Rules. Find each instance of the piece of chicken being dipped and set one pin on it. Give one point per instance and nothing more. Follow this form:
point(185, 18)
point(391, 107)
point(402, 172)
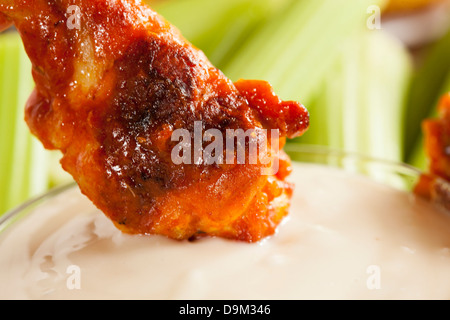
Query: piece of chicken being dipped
point(433, 185)
point(114, 82)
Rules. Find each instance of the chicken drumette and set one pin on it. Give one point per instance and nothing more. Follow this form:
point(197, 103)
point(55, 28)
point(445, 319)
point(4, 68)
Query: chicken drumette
point(437, 148)
point(114, 80)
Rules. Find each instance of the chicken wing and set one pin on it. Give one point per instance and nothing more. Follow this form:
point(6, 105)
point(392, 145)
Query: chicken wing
point(434, 184)
point(114, 82)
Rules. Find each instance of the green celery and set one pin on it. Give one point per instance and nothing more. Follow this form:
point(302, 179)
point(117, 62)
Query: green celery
point(361, 104)
point(8, 101)
point(374, 107)
point(418, 156)
point(297, 47)
point(19, 153)
point(57, 175)
point(23, 164)
point(218, 27)
point(425, 89)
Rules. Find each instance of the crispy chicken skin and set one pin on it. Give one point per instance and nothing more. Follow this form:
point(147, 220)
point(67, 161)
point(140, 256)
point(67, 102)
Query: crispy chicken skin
point(437, 143)
point(110, 92)
point(434, 184)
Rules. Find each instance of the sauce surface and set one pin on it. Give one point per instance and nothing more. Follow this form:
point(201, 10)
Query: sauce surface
point(346, 237)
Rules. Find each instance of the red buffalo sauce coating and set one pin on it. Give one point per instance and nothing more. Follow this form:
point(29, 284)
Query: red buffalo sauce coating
point(4, 22)
point(434, 185)
point(110, 94)
point(437, 144)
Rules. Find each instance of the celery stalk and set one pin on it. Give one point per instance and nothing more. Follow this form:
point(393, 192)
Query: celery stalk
point(19, 154)
point(361, 104)
point(430, 83)
point(425, 89)
point(23, 163)
point(325, 113)
point(417, 157)
point(8, 82)
point(374, 107)
point(298, 46)
point(218, 27)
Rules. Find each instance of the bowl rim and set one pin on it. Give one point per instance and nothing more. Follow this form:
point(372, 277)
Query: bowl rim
point(324, 150)
point(305, 149)
point(11, 214)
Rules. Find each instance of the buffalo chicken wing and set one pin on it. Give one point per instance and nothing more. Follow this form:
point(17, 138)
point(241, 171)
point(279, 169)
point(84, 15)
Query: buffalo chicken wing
point(114, 81)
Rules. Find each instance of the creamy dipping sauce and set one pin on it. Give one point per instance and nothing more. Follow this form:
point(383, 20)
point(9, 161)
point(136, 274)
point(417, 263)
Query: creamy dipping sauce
point(346, 237)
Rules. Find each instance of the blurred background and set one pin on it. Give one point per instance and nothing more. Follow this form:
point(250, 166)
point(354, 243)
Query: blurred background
point(369, 72)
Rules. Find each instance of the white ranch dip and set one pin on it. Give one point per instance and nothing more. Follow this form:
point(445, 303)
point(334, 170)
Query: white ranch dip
point(346, 237)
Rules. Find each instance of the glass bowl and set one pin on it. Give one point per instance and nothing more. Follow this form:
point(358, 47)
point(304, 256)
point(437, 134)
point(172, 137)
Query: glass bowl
point(50, 224)
point(400, 176)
